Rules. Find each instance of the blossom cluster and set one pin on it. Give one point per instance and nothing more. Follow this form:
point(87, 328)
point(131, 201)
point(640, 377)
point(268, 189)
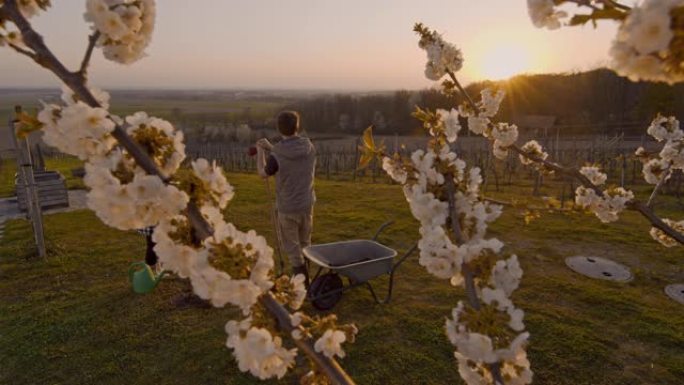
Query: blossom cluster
point(642, 49)
point(28, 9)
point(442, 56)
point(606, 205)
point(76, 128)
point(443, 194)
point(125, 27)
point(544, 14)
point(659, 168)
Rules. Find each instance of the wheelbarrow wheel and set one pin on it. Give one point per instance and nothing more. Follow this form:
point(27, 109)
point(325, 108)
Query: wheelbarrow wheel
point(325, 291)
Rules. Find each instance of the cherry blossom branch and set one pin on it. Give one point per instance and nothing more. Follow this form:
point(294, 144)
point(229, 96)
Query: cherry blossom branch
point(468, 275)
point(634, 204)
point(76, 82)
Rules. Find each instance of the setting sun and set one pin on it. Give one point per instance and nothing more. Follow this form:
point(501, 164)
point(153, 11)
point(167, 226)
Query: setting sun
point(505, 60)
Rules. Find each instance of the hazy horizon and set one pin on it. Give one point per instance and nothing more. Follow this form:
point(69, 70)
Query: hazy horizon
point(351, 46)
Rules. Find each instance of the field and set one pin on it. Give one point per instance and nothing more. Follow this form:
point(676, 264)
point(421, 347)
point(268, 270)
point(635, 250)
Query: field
point(184, 107)
point(73, 319)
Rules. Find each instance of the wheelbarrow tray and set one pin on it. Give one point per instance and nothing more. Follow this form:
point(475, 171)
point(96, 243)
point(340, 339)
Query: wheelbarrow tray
point(360, 259)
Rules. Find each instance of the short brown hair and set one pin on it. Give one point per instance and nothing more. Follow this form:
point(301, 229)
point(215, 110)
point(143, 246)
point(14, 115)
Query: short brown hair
point(288, 122)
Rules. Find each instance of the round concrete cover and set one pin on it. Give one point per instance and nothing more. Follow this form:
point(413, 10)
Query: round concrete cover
point(600, 268)
point(676, 292)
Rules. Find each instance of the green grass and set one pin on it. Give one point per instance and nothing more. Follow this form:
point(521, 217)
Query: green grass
point(63, 165)
point(73, 318)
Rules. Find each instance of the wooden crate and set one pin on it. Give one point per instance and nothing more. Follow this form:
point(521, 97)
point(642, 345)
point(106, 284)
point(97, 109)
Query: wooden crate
point(52, 191)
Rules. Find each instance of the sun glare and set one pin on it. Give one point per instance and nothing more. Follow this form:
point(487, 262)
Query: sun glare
point(505, 60)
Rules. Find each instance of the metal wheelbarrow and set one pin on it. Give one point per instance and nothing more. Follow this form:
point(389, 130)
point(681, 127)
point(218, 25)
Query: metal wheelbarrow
point(358, 260)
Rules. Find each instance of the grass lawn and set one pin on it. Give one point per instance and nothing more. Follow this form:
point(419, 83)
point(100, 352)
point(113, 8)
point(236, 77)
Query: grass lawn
point(73, 318)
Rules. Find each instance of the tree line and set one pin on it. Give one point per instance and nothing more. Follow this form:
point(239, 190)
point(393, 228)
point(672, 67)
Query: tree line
point(596, 101)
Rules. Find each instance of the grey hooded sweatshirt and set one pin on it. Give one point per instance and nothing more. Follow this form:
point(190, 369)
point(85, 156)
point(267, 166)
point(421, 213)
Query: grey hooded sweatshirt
point(296, 164)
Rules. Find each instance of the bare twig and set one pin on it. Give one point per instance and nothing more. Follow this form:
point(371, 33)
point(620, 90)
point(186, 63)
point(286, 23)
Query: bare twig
point(92, 41)
point(77, 84)
point(616, 5)
point(656, 189)
point(634, 205)
point(23, 51)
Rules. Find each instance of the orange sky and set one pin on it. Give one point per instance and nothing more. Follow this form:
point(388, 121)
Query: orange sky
point(315, 44)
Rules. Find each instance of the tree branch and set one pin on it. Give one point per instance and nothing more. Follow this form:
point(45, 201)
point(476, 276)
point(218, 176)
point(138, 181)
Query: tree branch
point(92, 41)
point(77, 84)
point(22, 51)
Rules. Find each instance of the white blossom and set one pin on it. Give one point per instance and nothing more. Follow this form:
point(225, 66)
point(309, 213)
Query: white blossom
point(491, 101)
point(663, 238)
point(125, 26)
point(257, 351)
point(297, 282)
point(544, 14)
point(477, 125)
point(643, 40)
point(532, 149)
point(655, 170)
point(212, 175)
point(169, 149)
point(394, 170)
point(143, 202)
point(442, 56)
point(330, 343)
point(673, 153)
point(451, 124)
point(506, 275)
point(606, 206)
point(594, 174)
point(505, 134)
point(665, 128)
point(77, 129)
point(499, 151)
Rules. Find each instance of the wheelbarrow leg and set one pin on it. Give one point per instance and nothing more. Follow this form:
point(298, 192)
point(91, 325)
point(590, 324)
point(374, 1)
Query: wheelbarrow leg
point(387, 298)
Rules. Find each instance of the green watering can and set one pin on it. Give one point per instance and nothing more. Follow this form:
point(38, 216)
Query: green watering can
point(142, 277)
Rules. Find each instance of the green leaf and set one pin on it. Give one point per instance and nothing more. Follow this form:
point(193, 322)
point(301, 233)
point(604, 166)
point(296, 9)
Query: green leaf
point(27, 124)
point(368, 141)
point(365, 160)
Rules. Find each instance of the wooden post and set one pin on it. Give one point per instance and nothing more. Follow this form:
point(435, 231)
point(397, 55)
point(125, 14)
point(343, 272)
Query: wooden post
point(35, 214)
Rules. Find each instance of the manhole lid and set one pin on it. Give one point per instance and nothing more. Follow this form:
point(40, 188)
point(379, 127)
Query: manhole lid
point(599, 268)
point(676, 292)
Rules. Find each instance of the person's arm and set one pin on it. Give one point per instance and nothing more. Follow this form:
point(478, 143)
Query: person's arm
point(261, 162)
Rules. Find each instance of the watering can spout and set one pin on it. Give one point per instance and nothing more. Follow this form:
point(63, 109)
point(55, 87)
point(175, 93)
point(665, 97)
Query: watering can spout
point(159, 277)
point(143, 278)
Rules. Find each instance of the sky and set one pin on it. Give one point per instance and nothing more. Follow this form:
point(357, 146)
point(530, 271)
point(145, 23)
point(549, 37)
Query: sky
point(314, 44)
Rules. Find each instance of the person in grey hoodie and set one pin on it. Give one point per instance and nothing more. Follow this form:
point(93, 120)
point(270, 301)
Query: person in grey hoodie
point(293, 162)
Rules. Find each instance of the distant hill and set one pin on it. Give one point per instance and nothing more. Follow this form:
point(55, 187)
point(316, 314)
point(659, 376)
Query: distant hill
point(597, 101)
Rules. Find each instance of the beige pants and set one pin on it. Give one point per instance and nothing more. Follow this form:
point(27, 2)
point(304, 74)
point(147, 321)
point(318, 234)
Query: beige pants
point(295, 233)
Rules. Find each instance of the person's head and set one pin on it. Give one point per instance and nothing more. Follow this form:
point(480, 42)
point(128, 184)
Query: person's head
point(288, 123)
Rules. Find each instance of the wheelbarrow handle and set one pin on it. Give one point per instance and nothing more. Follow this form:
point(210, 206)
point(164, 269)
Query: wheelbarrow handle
point(403, 257)
point(381, 229)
